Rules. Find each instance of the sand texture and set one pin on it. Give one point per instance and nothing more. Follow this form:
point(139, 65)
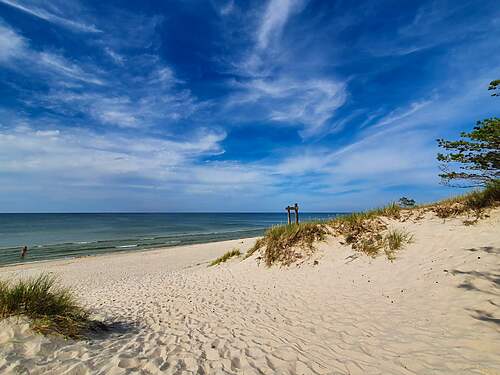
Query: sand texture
point(434, 310)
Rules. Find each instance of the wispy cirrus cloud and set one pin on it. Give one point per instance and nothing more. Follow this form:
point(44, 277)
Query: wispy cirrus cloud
point(294, 97)
point(79, 154)
point(51, 12)
point(274, 19)
point(140, 91)
point(17, 54)
point(309, 103)
point(11, 43)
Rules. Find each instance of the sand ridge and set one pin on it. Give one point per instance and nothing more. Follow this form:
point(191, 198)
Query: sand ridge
point(434, 310)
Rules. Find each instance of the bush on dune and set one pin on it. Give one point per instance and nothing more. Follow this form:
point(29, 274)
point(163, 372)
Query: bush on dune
point(51, 308)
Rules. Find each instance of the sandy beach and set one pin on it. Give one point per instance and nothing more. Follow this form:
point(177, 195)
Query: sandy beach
point(434, 310)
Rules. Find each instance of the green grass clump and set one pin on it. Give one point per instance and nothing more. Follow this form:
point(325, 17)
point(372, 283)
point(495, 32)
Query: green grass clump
point(279, 242)
point(226, 257)
point(395, 240)
point(51, 309)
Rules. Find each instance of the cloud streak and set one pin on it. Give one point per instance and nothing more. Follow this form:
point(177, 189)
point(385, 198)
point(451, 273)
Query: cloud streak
point(30, 7)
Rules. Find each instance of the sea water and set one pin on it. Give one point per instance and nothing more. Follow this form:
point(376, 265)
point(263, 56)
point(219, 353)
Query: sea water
point(52, 236)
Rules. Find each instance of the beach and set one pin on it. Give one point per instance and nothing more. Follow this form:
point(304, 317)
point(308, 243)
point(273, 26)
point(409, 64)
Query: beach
point(433, 310)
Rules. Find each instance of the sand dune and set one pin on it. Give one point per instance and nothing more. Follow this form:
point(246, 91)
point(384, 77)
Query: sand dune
point(434, 310)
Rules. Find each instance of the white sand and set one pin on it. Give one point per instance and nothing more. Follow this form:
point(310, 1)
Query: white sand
point(434, 310)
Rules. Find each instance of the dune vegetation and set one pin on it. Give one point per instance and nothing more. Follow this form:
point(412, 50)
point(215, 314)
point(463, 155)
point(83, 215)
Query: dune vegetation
point(224, 258)
point(51, 308)
point(369, 232)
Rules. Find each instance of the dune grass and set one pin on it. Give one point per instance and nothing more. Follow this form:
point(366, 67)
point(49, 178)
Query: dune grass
point(224, 258)
point(367, 231)
point(279, 241)
point(363, 230)
point(395, 240)
point(52, 309)
point(475, 201)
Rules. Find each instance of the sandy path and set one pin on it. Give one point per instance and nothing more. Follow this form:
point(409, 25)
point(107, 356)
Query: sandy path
point(432, 311)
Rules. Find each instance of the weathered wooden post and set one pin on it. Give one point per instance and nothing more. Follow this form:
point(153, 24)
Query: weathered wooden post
point(288, 208)
point(296, 208)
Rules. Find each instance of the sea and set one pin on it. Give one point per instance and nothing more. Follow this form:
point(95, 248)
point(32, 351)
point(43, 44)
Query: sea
point(56, 236)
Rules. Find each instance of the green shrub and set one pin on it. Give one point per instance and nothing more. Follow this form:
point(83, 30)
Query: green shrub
point(51, 308)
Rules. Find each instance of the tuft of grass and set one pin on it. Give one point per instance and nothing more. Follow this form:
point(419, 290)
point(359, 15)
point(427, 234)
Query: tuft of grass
point(280, 242)
point(362, 230)
point(224, 258)
point(52, 309)
point(395, 240)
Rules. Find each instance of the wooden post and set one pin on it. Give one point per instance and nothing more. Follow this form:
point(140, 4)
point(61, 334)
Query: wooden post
point(289, 218)
point(296, 208)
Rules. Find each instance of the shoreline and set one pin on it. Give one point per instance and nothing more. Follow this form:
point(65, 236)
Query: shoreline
point(123, 251)
point(118, 254)
point(339, 311)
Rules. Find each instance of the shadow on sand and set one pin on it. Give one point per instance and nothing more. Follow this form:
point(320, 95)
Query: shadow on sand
point(492, 288)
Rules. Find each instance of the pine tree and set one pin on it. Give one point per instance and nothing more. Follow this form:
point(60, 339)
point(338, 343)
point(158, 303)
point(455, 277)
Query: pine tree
point(476, 155)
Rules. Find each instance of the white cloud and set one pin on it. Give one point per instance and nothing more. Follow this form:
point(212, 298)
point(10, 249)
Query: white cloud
point(309, 103)
point(402, 113)
point(36, 9)
point(83, 154)
point(116, 57)
point(16, 53)
point(274, 20)
point(270, 91)
point(62, 66)
point(11, 43)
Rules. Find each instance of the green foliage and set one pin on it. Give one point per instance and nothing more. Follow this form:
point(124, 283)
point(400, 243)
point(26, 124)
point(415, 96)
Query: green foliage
point(476, 155)
point(224, 258)
point(280, 242)
point(495, 85)
point(51, 309)
point(406, 202)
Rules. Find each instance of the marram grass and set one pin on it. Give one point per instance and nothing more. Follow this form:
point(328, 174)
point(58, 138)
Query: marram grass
point(395, 240)
point(279, 241)
point(224, 258)
point(52, 309)
point(367, 231)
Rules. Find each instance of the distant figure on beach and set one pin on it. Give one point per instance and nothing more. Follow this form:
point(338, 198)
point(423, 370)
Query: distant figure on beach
point(24, 251)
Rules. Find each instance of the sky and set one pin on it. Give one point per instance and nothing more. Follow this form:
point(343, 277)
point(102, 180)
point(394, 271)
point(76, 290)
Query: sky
point(226, 105)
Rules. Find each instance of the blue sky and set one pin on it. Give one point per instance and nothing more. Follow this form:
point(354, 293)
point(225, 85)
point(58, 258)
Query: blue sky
point(225, 105)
